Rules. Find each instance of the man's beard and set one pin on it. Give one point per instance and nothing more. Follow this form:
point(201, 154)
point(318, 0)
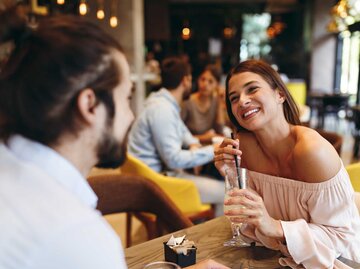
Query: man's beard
point(186, 94)
point(110, 152)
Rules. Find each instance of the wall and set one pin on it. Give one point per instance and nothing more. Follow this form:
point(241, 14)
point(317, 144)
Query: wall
point(323, 49)
point(130, 34)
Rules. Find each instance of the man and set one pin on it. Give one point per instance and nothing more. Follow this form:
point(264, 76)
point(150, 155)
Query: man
point(161, 140)
point(64, 107)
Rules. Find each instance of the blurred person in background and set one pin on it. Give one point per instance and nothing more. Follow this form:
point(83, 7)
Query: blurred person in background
point(202, 112)
point(160, 138)
point(64, 107)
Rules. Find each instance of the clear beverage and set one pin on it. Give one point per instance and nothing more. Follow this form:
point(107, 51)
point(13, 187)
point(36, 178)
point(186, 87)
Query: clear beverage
point(229, 207)
point(234, 179)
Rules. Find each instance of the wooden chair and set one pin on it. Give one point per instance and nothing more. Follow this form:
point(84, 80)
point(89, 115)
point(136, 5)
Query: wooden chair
point(183, 192)
point(136, 195)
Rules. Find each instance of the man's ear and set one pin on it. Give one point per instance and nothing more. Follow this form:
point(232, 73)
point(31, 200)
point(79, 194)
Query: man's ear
point(86, 103)
point(186, 80)
point(183, 80)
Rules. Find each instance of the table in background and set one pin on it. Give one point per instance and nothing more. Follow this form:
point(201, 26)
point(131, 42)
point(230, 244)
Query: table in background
point(327, 104)
point(209, 238)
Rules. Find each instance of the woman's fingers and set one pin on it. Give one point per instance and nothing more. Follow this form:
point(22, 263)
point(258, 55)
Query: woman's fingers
point(248, 193)
point(224, 157)
point(227, 150)
point(229, 141)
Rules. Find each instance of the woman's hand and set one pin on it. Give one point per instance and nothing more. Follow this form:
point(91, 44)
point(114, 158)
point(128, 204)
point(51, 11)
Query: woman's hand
point(253, 211)
point(224, 155)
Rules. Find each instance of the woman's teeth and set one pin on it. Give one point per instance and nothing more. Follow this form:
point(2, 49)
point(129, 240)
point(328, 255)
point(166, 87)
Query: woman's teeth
point(250, 112)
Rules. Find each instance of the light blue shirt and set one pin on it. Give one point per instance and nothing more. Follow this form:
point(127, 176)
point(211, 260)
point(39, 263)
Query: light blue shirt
point(159, 137)
point(47, 216)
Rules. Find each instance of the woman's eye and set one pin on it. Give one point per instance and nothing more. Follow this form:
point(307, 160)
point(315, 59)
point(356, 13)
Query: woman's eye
point(251, 89)
point(233, 99)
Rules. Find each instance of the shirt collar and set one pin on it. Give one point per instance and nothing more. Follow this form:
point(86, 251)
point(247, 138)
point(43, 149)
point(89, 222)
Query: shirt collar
point(54, 165)
point(167, 95)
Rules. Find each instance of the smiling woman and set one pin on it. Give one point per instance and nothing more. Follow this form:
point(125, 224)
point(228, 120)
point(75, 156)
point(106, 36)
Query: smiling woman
point(269, 76)
point(294, 174)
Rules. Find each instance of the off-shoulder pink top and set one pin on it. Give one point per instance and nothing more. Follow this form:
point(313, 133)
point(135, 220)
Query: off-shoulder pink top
point(320, 220)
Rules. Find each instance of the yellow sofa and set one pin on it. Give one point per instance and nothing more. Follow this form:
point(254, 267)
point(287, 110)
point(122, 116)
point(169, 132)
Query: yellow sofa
point(354, 174)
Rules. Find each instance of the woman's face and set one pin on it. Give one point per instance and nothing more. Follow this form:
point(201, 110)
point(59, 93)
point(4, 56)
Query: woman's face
point(207, 83)
point(253, 102)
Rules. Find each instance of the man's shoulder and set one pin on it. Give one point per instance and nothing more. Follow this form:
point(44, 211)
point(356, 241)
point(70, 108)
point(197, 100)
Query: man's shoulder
point(34, 208)
point(158, 111)
point(27, 190)
point(158, 103)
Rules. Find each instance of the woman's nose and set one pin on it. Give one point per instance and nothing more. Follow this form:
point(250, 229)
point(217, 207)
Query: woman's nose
point(244, 100)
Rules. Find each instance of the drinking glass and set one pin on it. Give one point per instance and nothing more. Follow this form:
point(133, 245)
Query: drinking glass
point(235, 178)
point(161, 265)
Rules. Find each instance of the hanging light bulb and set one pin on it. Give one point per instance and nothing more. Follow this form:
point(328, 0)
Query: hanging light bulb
point(83, 8)
point(113, 21)
point(60, 2)
point(100, 14)
point(186, 30)
point(186, 33)
point(228, 32)
point(113, 12)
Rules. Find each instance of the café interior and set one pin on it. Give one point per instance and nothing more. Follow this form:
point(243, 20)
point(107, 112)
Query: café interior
point(313, 44)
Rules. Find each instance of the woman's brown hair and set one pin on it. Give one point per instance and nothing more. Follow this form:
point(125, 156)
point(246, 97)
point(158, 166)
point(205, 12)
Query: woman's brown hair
point(264, 70)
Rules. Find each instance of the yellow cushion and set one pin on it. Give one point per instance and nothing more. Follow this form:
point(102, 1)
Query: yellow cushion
point(183, 192)
point(298, 91)
point(354, 174)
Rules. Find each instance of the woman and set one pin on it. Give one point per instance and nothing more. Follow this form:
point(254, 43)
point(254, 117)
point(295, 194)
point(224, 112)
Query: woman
point(202, 113)
point(300, 199)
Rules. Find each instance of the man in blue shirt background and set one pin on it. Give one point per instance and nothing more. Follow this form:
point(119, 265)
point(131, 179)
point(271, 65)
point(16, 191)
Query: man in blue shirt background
point(160, 138)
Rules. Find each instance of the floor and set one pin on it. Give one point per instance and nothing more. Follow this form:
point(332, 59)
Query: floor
point(341, 126)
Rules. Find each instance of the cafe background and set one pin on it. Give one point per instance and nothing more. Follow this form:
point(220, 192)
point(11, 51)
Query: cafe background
point(314, 44)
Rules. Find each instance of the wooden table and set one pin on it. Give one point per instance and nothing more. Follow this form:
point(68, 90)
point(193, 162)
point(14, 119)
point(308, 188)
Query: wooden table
point(209, 238)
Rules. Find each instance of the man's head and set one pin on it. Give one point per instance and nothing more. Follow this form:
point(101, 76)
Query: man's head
point(57, 77)
point(176, 72)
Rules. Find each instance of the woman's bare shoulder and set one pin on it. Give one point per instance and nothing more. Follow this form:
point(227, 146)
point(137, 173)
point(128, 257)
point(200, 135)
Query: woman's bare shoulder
point(314, 159)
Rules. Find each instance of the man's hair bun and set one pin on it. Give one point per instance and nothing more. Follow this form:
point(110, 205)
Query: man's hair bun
point(13, 26)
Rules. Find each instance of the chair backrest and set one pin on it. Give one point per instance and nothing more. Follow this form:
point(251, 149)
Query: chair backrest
point(129, 193)
point(335, 139)
point(182, 192)
point(354, 174)
point(356, 117)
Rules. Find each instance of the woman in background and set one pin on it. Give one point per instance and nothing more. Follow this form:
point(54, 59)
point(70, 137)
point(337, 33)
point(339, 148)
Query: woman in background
point(300, 199)
point(202, 113)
